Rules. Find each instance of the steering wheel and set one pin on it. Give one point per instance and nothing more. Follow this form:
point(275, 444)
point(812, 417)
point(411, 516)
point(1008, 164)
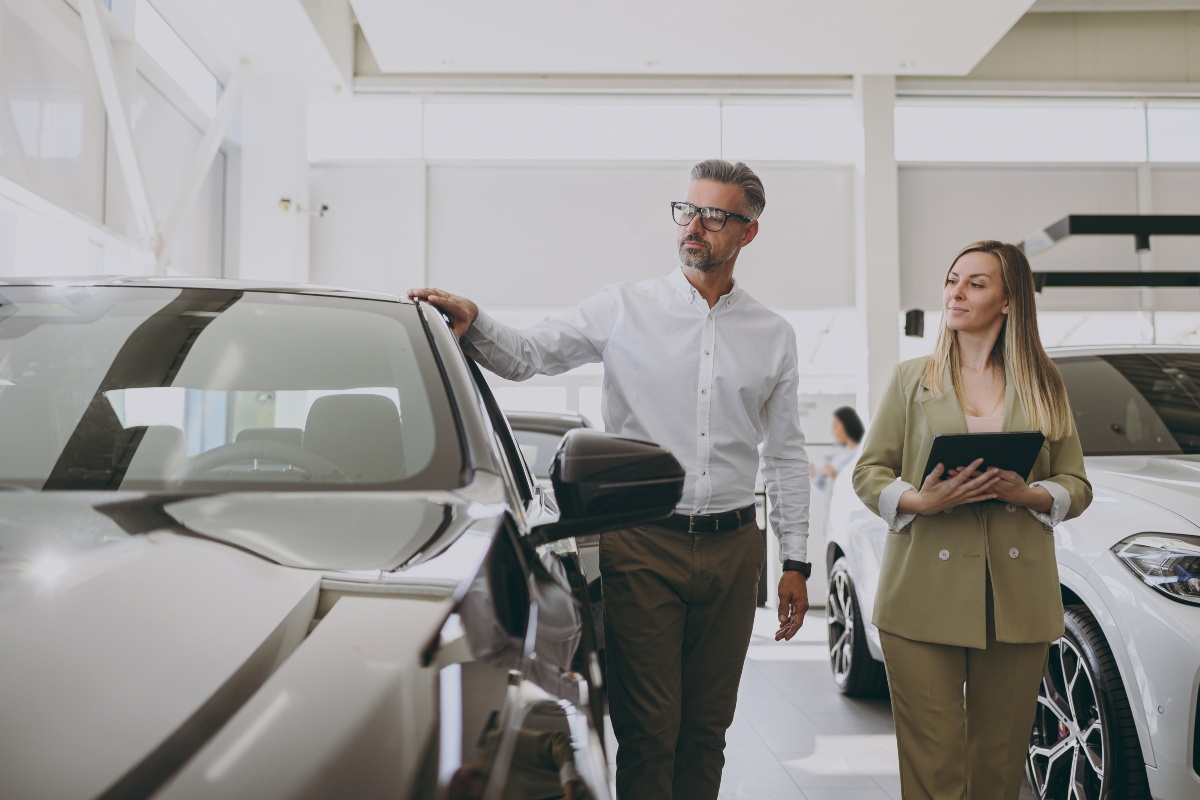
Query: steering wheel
point(263, 449)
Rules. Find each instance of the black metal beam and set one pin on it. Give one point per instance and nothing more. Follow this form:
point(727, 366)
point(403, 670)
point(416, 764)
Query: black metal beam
point(1139, 226)
point(1117, 280)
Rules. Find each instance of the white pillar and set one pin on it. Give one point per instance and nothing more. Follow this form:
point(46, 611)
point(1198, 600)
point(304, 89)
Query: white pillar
point(877, 237)
point(273, 241)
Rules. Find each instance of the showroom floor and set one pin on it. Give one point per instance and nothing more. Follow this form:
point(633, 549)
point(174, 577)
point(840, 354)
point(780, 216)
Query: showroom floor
point(796, 738)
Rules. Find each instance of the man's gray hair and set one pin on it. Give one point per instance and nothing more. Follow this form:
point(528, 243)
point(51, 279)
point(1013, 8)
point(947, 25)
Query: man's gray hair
point(721, 171)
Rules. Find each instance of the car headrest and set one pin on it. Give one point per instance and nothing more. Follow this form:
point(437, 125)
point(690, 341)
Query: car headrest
point(293, 436)
point(360, 433)
point(151, 453)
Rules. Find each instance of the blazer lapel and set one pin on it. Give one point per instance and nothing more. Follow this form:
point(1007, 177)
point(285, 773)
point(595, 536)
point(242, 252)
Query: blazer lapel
point(943, 414)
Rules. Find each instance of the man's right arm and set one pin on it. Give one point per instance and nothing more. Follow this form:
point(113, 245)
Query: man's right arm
point(553, 345)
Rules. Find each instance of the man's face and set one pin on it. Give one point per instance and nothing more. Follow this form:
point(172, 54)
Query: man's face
point(706, 250)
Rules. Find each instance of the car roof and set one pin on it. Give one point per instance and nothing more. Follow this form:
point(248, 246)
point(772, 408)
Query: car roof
point(1108, 350)
point(181, 282)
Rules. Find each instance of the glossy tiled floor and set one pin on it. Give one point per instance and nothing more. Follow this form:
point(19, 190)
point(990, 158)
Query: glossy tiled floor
point(795, 737)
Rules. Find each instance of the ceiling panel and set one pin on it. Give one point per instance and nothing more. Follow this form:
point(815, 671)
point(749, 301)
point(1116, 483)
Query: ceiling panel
point(703, 37)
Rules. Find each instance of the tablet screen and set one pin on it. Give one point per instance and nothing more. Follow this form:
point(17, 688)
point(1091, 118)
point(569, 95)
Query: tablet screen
point(1011, 450)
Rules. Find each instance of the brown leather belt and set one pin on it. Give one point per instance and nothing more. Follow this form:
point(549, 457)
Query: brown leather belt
point(726, 522)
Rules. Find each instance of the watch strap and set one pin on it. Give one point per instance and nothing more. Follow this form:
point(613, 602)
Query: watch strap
point(803, 567)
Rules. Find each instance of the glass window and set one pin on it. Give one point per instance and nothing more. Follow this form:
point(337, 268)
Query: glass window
point(796, 131)
point(1135, 403)
point(52, 122)
point(1174, 134)
point(579, 130)
point(201, 389)
point(1022, 132)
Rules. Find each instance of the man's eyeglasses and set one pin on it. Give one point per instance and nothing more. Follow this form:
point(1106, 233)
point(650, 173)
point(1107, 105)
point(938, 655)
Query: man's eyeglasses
point(713, 219)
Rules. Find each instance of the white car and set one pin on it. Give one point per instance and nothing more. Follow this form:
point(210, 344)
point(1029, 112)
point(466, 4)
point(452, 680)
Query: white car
point(1118, 710)
point(278, 542)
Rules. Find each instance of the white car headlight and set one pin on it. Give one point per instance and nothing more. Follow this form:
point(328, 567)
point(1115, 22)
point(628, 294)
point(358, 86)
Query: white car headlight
point(1167, 562)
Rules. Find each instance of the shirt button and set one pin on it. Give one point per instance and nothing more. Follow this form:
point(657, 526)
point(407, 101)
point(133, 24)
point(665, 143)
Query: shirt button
point(704, 391)
point(1009, 507)
point(1013, 553)
point(702, 433)
point(944, 555)
point(708, 352)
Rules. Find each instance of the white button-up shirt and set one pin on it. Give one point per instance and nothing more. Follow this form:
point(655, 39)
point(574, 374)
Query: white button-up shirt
point(715, 386)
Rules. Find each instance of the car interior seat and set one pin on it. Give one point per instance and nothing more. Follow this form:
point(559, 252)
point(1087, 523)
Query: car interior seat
point(292, 436)
point(360, 433)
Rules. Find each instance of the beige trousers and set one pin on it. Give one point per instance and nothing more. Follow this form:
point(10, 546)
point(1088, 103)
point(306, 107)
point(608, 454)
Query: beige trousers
point(678, 614)
point(957, 744)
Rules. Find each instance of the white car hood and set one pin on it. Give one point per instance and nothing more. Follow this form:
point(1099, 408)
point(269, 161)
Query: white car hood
point(1170, 482)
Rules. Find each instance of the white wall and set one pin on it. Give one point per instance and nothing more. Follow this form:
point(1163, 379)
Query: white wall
point(373, 236)
point(549, 235)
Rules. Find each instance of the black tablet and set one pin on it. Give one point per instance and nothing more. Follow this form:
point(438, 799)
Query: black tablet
point(1015, 451)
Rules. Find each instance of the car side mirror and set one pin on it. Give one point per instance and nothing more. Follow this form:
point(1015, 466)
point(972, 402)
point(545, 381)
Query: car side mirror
point(603, 482)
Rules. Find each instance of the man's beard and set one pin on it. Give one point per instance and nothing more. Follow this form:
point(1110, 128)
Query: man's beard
point(701, 260)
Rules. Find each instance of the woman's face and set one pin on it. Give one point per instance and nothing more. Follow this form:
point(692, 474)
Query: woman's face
point(973, 298)
point(839, 431)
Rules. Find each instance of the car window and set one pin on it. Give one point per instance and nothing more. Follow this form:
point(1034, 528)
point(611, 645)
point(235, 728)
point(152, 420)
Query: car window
point(504, 435)
point(1135, 403)
point(120, 387)
point(539, 448)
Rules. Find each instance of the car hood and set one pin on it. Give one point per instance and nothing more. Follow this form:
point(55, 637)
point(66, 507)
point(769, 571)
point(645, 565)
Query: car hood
point(133, 628)
point(1171, 482)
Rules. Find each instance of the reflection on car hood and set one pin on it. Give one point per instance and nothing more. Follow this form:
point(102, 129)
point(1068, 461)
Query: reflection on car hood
point(134, 626)
point(1171, 482)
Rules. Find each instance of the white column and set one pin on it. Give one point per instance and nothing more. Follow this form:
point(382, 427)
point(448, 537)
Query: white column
point(877, 238)
point(273, 241)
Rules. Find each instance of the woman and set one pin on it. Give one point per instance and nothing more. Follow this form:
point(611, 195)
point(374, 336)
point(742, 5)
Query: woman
point(847, 430)
point(968, 591)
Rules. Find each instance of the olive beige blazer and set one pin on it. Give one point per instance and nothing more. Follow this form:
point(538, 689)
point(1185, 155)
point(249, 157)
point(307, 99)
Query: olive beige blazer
point(931, 585)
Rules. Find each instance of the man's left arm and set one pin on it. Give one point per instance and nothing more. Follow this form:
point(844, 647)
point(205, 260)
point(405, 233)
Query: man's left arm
point(784, 465)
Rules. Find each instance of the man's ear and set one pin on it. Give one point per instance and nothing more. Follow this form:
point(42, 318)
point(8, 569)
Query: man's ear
point(749, 233)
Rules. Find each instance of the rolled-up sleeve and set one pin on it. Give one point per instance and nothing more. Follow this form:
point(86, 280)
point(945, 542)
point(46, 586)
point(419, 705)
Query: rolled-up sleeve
point(784, 462)
point(889, 505)
point(549, 347)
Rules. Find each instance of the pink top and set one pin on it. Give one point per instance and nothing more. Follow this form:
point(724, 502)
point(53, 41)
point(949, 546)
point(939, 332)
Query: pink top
point(984, 424)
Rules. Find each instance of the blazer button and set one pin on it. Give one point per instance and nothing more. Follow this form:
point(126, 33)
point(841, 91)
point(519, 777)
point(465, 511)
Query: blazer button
point(1009, 507)
point(1013, 553)
point(944, 555)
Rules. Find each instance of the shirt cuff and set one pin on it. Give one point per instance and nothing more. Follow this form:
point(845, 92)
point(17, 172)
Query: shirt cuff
point(889, 505)
point(793, 547)
point(483, 329)
point(1060, 507)
point(568, 774)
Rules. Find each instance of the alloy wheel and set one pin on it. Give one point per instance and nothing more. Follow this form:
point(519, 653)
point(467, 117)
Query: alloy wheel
point(1068, 746)
point(841, 626)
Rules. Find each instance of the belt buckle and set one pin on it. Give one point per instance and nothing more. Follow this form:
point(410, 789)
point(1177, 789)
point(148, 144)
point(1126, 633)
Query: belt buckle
point(691, 523)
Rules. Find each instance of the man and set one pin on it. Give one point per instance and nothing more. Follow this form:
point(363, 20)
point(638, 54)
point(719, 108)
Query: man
point(695, 364)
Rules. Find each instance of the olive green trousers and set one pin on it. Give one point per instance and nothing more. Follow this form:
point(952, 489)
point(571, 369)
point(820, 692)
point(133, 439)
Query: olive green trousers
point(958, 743)
point(678, 614)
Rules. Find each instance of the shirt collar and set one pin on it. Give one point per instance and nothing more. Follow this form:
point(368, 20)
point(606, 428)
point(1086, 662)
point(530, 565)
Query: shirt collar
point(689, 293)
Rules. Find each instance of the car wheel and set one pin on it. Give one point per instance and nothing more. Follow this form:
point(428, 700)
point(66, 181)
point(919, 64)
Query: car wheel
point(1084, 745)
point(855, 672)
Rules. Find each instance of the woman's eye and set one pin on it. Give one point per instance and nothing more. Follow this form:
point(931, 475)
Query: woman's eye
point(977, 285)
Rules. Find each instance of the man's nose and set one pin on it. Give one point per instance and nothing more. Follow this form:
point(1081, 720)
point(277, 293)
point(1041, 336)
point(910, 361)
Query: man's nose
point(696, 226)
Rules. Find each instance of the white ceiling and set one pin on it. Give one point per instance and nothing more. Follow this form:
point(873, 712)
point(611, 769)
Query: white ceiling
point(701, 37)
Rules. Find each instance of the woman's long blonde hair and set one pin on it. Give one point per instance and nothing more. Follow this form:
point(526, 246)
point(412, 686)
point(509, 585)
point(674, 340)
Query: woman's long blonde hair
point(1039, 386)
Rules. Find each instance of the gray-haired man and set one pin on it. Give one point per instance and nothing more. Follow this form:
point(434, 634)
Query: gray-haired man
point(694, 363)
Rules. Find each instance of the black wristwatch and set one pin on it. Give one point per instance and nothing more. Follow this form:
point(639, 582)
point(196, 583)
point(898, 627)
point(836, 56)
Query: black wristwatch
point(803, 567)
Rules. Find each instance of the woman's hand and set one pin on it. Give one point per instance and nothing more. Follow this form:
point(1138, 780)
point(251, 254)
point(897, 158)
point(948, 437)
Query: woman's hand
point(1010, 487)
point(964, 485)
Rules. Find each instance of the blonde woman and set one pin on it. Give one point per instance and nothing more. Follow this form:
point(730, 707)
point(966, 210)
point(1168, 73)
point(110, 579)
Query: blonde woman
point(969, 591)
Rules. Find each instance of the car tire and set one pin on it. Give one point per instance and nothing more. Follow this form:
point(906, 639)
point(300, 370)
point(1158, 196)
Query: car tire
point(1084, 745)
point(855, 671)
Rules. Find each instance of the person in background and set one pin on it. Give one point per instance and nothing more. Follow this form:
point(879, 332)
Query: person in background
point(968, 589)
point(847, 430)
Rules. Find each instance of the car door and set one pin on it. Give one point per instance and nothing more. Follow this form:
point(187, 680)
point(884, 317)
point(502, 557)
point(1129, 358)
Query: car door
point(545, 603)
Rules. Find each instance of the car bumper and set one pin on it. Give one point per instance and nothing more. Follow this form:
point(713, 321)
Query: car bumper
point(1161, 671)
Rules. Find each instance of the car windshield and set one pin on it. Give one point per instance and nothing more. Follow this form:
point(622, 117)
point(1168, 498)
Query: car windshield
point(214, 389)
point(1135, 403)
